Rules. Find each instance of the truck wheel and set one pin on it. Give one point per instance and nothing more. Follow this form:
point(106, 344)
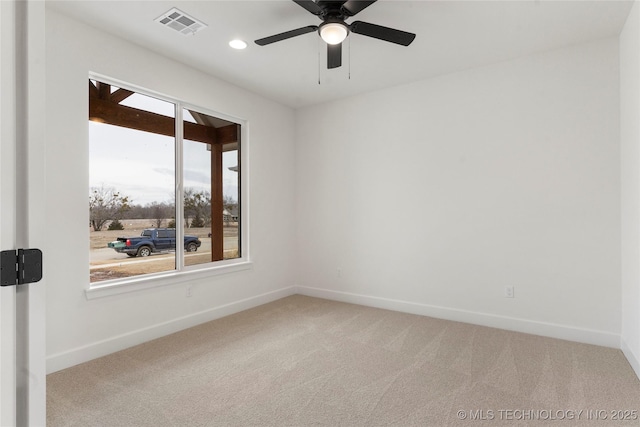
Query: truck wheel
point(144, 251)
point(192, 247)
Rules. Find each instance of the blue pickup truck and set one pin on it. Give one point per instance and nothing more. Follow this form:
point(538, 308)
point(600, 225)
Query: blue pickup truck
point(153, 240)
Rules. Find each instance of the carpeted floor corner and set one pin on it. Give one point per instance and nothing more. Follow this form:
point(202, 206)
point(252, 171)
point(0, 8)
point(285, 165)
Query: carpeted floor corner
point(304, 361)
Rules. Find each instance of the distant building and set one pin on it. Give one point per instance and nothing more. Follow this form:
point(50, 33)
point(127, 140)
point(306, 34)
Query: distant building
point(230, 214)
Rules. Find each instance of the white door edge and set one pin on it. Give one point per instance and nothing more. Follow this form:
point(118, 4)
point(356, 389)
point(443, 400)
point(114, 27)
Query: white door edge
point(30, 197)
point(7, 209)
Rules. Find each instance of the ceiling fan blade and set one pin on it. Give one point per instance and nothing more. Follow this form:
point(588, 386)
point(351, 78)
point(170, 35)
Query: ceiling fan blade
point(352, 7)
point(310, 5)
point(334, 55)
point(383, 33)
point(286, 35)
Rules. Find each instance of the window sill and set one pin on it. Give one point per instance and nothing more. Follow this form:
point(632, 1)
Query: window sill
point(116, 287)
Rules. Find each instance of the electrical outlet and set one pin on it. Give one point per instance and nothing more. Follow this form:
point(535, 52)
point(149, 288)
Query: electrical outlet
point(339, 272)
point(508, 292)
point(189, 291)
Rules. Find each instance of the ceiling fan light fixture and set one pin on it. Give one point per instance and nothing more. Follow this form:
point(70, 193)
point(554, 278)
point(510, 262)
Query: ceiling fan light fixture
point(333, 32)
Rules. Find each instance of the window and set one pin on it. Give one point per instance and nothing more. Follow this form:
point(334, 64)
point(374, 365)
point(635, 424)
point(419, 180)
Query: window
point(160, 172)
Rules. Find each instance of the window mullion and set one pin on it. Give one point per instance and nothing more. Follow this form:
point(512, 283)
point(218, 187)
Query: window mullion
point(179, 126)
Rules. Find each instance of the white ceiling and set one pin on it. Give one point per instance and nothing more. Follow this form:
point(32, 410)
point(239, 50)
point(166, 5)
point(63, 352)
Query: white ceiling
point(451, 36)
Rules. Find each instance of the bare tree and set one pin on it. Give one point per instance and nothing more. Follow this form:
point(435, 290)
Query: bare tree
point(160, 212)
point(197, 205)
point(106, 204)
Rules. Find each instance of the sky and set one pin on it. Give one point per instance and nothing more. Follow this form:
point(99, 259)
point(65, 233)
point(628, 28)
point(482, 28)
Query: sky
point(141, 165)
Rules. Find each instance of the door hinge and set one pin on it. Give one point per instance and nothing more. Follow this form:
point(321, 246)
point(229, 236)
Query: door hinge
point(21, 266)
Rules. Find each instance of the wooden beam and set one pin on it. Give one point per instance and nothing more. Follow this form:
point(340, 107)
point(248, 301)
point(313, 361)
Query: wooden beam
point(217, 205)
point(199, 133)
point(93, 90)
point(104, 90)
point(133, 118)
point(227, 134)
point(120, 95)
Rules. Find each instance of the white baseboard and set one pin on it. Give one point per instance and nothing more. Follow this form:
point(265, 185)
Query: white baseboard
point(551, 330)
point(633, 359)
point(59, 361)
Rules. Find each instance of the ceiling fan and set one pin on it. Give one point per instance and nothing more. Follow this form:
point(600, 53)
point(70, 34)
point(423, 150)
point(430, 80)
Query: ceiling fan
point(333, 29)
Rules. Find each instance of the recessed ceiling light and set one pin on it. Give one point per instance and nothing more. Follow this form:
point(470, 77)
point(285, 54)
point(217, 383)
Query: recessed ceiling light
point(238, 44)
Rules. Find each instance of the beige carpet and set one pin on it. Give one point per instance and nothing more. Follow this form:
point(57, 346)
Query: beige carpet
point(304, 361)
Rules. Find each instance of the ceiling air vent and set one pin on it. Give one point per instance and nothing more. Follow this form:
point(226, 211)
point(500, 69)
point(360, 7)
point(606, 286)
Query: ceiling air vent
point(181, 22)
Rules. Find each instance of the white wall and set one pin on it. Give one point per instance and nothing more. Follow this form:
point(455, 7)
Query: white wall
point(79, 329)
point(630, 165)
point(434, 196)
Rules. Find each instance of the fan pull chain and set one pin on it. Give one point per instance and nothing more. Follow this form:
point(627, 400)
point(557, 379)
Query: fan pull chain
point(349, 58)
point(319, 66)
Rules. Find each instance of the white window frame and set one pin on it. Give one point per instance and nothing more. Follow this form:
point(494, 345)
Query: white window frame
point(192, 272)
